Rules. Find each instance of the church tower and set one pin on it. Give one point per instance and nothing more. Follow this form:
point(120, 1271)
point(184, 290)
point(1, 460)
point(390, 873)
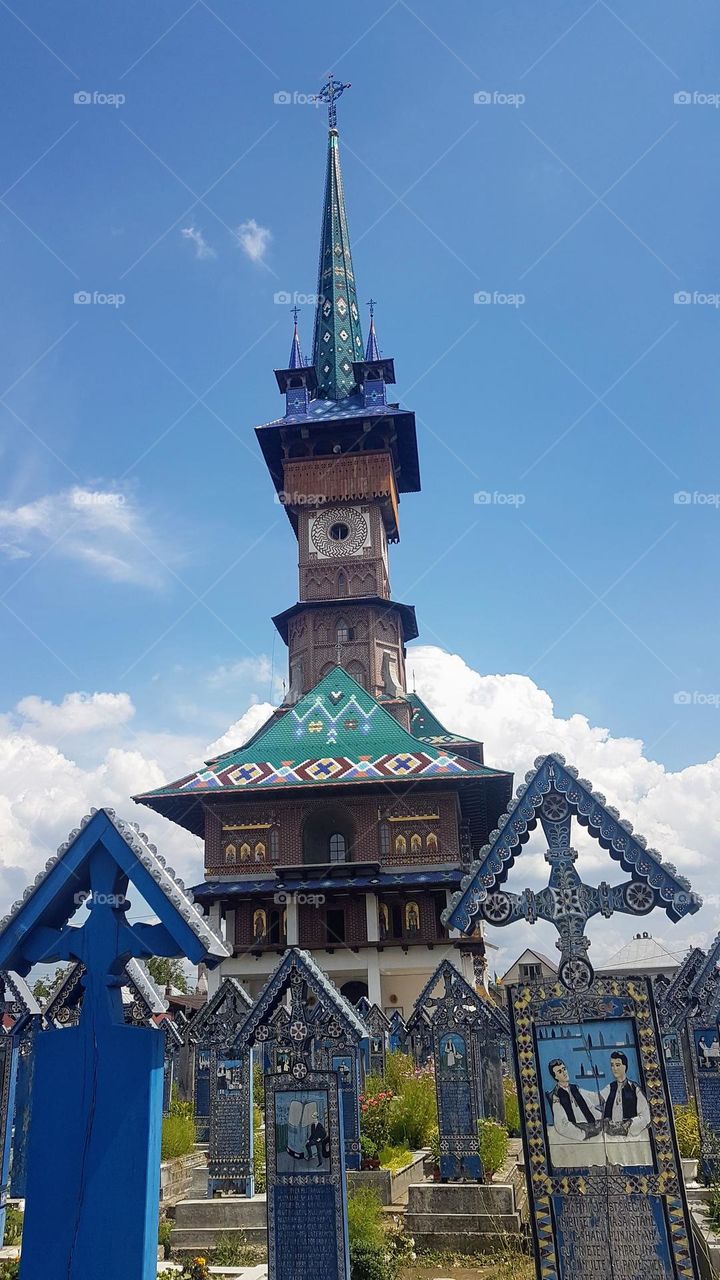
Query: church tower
point(348, 819)
point(340, 458)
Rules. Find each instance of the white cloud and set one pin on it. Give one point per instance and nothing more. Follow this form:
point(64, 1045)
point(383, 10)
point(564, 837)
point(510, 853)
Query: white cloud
point(202, 248)
point(241, 730)
point(77, 713)
point(253, 239)
point(101, 529)
point(43, 792)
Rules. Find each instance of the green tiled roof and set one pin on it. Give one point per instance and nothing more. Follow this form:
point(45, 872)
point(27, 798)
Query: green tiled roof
point(425, 726)
point(336, 733)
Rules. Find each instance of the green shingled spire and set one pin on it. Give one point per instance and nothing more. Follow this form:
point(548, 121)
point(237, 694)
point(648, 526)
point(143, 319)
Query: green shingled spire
point(338, 338)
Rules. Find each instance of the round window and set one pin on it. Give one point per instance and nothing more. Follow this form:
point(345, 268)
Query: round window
point(339, 531)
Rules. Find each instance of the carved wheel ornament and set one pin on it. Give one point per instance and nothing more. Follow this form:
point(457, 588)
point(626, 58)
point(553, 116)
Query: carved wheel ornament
point(327, 528)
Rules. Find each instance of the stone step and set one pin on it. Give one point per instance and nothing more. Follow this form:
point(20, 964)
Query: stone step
point(201, 1240)
point(222, 1211)
point(425, 1224)
point(459, 1241)
point(465, 1198)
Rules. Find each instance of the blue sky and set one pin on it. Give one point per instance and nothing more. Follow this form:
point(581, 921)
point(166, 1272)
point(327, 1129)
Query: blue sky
point(595, 398)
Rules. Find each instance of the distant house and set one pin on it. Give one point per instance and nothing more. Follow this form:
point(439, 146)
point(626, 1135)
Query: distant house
point(642, 954)
point(529, 967)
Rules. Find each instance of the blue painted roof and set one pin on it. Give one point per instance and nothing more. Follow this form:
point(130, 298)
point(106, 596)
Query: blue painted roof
point(248, 888)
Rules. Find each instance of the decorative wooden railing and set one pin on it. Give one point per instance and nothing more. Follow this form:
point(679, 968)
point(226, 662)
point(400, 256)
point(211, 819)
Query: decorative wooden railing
point(350, 477)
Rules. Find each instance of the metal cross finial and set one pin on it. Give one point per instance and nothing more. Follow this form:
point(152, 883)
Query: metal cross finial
point(295, 313)
point(371, 303)
point(330, 92)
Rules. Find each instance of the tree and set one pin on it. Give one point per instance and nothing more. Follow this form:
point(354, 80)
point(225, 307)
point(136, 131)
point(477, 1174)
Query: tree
point(43, 986)
point(166, 971)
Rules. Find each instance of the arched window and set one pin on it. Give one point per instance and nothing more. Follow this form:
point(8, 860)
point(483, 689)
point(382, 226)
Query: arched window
point(400, 845)
point(230, 853)
point(259, 851)
point(274, 843)
point(343, 633)
point(357, 671)
point(342, 584)
point(384, 839)
point(245, 852)
point(415, 843)
point(338, 847)
point(431, 843)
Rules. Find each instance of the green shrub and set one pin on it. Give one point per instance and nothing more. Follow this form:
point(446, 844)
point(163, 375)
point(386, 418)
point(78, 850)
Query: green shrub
point(13, 1225)
point(493, 1146)
point(687, 1130)
point(371, 1262)
point(365, 1218)
point(9, 1270)
point(258, 1086)
point(230, 1251)
point(398, 1066)
point(368, 1148)
point(177, 1107)
point(259, 1162)
point(374, 1083)
point(178, 1135)
point(165, 1227)
point(512, 1108)
point(395, 1158)
point(413, 1113)
point(375, 1115)
point(434, 1145)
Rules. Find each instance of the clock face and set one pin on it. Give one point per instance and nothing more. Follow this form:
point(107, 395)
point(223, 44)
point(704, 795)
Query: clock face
point(339, 531)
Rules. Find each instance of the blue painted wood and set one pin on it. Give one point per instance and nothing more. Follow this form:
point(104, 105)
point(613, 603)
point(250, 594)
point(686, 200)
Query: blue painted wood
point(95, 1124)
point(8, 1076)
point(23, 1102)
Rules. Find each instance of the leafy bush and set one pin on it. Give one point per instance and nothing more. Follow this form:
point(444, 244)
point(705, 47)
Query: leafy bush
point(9, 1270)
point(434, 1145)
point(687, 1130)
point(375, 1115)
point(178, 1135)
point(368, 1148)
point(365, 1218)
point(178, 1107)
point(395, 1158)
point(13, 1225)
point(512, 1108)
point(165, 1227)
point(197, 1269)
point(413, 1113)
point(232, 1251)
point(259, 1086)
point(398, 1067)
point(371, 1262)
point(493, 1146)
point(374, 1083)
point(259, 1162)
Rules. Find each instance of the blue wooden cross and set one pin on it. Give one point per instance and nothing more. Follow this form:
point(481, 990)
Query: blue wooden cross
point(93, 1162)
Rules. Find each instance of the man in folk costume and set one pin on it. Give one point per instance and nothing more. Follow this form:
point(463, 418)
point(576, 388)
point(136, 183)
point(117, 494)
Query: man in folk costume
point(625, 1108)
point(576, 1114)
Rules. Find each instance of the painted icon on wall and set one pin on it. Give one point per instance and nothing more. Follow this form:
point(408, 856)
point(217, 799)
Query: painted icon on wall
point(596, 1110)
point(671, 1047)
point(412, 918)
point(302, 1142)
point(453, 1052)
point(383, 921)
point(229, 1075)
point(707, 1048)
point(259, 925)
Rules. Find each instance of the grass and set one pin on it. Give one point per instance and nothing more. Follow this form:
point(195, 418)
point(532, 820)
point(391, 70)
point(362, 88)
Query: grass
point(395, 1158)
point(178, 1136)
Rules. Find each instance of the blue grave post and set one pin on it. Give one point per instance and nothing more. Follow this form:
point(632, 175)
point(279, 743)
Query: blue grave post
point(398, 1033)
point(97, 1093)
point(319, 1035)
point(604, 1178)
point(230, 1130)
point(23, 1010)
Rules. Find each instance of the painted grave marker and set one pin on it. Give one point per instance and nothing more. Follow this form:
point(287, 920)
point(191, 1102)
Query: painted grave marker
point(230, 1129)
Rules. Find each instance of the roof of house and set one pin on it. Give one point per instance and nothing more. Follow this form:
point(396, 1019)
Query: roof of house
point(641, 952)
point(337, 733)
point(426, 726)
point(533, 955)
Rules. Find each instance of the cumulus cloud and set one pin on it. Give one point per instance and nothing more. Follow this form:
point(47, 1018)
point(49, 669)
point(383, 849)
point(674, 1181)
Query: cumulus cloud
point(77, 713)
point(196, 237)
point(43, 791)
point(253, 239)
point(100, 529)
